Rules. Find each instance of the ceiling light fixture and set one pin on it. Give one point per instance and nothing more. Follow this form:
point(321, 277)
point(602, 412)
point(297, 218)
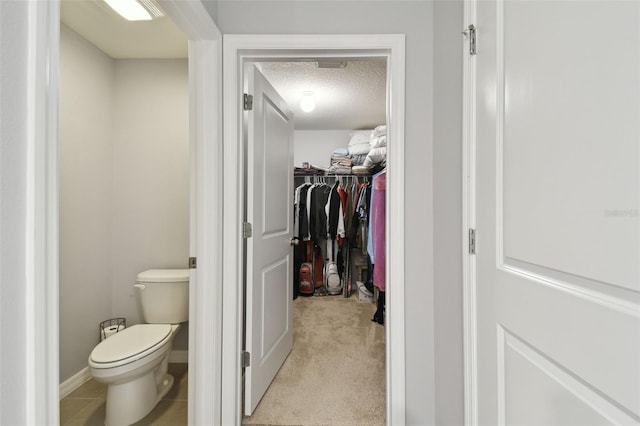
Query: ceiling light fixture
point(134, 10)
point(307, 103)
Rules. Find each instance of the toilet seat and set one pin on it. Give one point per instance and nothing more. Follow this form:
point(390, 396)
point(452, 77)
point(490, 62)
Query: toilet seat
point(129, 345)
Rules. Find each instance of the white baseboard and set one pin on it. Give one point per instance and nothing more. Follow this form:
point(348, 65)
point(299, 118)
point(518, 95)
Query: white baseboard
point(74, 382)
point(181, 356)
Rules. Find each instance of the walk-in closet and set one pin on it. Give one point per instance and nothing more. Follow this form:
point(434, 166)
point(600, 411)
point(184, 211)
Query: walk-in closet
point(335, 373)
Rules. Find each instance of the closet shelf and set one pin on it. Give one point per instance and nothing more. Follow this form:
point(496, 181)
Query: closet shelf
point(330, 175)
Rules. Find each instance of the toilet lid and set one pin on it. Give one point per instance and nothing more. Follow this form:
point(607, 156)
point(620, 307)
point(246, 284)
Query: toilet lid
point(130, 342)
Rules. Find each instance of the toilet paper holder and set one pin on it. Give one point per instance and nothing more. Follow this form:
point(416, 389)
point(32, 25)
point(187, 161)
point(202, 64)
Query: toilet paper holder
point(111, 326)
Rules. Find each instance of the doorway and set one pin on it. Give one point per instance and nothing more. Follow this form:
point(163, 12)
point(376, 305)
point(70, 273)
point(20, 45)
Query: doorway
point(337, 350)
point(124, 117)
point(205, 99)
point(241, 49)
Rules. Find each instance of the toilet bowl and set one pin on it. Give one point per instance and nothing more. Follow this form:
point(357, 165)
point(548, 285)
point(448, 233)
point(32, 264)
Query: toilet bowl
point(133, 362)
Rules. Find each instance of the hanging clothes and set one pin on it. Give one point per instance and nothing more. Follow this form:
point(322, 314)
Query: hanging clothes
point(300, 218)
point(318, 217)
point(360, 217)
point(324, 214)
point(335, 214)
point(345, 203)
point(378, 217)
point(378, 201)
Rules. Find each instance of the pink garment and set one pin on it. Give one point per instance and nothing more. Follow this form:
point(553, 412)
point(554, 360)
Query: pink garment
point(378, 229)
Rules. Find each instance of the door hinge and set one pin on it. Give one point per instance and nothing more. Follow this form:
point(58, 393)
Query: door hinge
point(471, 33)
point(246, 359)
point(472, 241)
point(193, 262)
point(247, 102)
point(247, 230)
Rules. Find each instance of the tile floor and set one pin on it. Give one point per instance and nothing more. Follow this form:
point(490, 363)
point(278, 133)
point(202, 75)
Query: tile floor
point(85, 406)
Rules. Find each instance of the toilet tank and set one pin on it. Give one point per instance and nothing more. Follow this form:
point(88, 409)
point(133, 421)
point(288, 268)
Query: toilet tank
point(164, 295)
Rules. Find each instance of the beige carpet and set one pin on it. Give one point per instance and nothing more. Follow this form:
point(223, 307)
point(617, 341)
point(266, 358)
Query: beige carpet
point(335, 374)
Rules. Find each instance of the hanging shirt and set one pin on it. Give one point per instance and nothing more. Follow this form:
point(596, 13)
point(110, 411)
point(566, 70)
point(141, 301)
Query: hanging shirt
point(335, 214)
point(303, 213)
point(378, 216)
point(370, 248)
point(318, 216)
point(310, 217)
point(345, 202)
point(299, 208)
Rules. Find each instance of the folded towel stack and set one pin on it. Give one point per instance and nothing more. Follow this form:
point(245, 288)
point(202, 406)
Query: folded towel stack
point(340, 161)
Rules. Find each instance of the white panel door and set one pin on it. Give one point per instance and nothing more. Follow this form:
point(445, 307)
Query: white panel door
point(269, 320)
point(557, 107)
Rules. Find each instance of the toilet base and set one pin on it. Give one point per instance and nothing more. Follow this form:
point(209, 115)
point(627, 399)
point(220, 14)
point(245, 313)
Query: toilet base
point(129, 402)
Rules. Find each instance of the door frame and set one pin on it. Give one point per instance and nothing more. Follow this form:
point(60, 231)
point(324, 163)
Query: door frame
point(205, 134)
point(237, 49)
point(205, 209)
point(469, 300)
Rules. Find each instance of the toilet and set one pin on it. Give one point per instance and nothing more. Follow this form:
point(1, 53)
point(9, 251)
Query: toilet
point(133, 362)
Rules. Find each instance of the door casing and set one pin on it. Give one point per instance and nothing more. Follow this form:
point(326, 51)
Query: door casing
point(205, 210)
point(238, 49)
point(468, 222)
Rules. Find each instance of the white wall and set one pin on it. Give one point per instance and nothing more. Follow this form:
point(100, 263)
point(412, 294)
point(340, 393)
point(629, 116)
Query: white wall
point(124, 187)
point(86, 105)
point(13, 212)
point(415, 19)
point(151, 176)
point(316, 146)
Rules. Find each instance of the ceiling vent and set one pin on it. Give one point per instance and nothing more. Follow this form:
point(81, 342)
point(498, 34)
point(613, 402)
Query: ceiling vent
point(331, 64)
point(153, 8)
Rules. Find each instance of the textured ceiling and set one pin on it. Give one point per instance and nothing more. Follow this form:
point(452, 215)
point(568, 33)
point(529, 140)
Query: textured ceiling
point(353, 97)
point(346, 98)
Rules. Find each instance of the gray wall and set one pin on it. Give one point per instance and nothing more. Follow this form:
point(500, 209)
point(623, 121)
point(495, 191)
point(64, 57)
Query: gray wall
point(13, 212)
point(87, 83)
point(420, 80)
point(151, 176)
point(415, 19)
point(124, 186)
point(447, 181)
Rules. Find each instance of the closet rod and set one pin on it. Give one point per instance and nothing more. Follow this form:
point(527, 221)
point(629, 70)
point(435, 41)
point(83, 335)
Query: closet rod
point(332, 175)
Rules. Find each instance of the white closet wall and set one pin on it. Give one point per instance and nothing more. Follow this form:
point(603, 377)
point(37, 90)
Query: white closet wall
point(316, 146)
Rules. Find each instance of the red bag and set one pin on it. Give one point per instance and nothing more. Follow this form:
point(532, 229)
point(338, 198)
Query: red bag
point(307, 284)
point(306, 279)
point(318, 269)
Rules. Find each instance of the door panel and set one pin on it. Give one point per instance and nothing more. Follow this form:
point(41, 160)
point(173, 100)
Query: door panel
point(275, 320)
point(276, 126)
point(567, 95)
point(269, 320)
point(557, 190)
point(534, 381)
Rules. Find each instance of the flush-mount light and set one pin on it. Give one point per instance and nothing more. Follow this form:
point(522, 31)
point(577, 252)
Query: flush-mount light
point(135, 10)
point(307, 103)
